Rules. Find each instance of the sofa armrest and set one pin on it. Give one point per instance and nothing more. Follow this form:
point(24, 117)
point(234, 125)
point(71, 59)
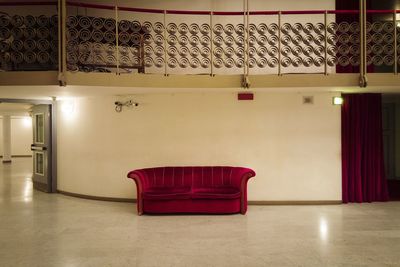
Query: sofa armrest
point(140, 179)
point(240, 179)
point(243, 192)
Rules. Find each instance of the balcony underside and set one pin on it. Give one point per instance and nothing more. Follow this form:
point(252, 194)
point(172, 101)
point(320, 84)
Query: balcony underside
point(376, 81)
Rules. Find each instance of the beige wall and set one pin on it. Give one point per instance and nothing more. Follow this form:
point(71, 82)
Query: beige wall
point(21, 136)
point(294, 148)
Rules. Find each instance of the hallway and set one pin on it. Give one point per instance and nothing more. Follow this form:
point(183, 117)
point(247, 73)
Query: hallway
point(38, 229)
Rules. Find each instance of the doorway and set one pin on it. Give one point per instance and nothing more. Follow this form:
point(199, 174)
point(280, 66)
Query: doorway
point(391, 142)
point(43, 142)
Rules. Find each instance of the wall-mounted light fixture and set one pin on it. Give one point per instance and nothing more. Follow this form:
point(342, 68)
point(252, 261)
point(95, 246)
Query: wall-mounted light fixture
point(120, 104)
point(337, 100)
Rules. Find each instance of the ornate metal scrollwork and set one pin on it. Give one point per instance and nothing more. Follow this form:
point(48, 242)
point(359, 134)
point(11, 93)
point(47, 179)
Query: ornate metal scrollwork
point(380, 44)
point(28, 42)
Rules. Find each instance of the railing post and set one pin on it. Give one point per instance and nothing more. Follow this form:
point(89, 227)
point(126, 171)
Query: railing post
point(395, 41)
point(165, 43)
point(117, 39)
point(59, 60)
point(244, 39)
point(62, 42)
point(326, 42)
point(248, 38)
point(363, 45)
point(361, 21)
point(211, 44)
point(365, 35)
point(279, 43)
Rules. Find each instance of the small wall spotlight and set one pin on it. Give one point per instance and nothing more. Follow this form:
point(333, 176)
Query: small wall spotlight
point(337, 100)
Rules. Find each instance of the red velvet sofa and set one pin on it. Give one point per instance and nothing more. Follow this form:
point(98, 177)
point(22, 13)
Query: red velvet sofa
point(215, 190)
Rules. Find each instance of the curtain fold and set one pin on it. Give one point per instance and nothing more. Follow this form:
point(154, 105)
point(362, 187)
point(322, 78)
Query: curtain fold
point(363, 171)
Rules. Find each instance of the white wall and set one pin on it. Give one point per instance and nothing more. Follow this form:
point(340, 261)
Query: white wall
point(294, 148)
point(21, 136)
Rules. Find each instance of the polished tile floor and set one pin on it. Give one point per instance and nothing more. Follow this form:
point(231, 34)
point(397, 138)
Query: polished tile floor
point(38, 229)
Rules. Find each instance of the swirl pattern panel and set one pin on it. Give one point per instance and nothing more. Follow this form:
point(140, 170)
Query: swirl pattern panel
point(28, 42)
point(91, 44)
point(189, 44)
point(263, 46)
point(195, 44)
point(302, 45)
point(343, 44)
point(153, 44)
point(398, 45)
point(381, 45)
point(228, 41)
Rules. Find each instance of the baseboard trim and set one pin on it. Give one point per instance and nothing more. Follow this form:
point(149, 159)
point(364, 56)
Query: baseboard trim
point(294, 202)
point(20, 156)
point(251, 202)
point(112, 199)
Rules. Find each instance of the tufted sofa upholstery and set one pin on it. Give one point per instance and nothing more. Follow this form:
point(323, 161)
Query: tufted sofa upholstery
point(192, 189)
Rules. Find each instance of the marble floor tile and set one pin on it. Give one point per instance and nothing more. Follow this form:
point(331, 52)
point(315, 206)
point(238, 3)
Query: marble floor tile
point(39, 229)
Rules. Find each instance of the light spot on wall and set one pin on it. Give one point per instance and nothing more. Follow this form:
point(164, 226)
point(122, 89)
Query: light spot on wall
point(27, 122)
point(68, 108)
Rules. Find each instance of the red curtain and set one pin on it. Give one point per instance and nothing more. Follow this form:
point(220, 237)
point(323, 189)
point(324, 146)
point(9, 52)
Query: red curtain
point(363, 171)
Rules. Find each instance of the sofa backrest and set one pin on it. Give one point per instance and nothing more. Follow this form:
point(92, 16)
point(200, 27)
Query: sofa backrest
point(191, 176)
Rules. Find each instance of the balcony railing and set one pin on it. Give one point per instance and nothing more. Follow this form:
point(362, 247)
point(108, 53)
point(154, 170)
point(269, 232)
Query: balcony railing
point(28, 36)
point(105, 38)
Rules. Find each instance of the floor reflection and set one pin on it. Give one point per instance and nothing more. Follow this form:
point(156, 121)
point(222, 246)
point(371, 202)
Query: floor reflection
point(28, 187)
point(323, 229)
point(16, 180)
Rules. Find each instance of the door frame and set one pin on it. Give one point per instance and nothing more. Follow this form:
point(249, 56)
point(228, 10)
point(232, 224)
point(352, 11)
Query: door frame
point(53, 132)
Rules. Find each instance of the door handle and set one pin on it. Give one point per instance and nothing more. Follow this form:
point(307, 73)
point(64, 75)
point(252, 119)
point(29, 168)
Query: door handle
point(38, 148)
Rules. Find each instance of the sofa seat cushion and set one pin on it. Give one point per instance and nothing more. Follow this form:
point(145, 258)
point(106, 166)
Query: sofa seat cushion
point(159, 193)
point(216, 193)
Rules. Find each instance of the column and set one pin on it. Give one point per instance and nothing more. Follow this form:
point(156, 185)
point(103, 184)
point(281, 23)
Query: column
point(6, 139)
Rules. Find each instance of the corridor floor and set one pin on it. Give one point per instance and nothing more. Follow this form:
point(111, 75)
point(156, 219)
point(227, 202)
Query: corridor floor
point(39, 229)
